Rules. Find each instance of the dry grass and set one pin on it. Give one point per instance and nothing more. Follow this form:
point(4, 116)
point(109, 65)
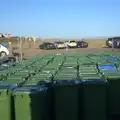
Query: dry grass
point(96, 43)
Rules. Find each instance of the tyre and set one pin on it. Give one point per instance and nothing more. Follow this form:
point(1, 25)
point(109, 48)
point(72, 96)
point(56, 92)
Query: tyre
point(78, 46)
point(85, 46)
point(3, 54)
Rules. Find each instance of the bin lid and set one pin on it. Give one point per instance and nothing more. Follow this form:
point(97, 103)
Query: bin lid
point(113, 75)
point(111, 58)
point(67, 82)
point(91, 76)
point(93, 80)
point(107, 66)
point(29, 89)
point(7, 87)
point(66, 77)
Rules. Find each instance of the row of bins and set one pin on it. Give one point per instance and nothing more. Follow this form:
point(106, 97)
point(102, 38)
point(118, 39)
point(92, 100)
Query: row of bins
point(12, 90)
point(72, 95)
point(25, 101)
point(24, 70)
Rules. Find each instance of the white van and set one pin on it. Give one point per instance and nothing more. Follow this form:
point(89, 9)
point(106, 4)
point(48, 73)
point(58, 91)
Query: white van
point(4, 50)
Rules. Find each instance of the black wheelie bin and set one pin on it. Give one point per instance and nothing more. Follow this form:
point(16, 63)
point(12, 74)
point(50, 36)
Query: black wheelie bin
point(66, 96)
point(94, 97)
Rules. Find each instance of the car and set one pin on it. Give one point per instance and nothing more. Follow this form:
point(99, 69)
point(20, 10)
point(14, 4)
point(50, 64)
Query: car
point(71, 43)
point(113, 42)
point(109, 42)
point(4, 50)
point(82, 44)
point(59, 45)
point(47, 46)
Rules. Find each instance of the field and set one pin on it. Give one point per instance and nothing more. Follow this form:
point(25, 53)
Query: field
point(30, 49)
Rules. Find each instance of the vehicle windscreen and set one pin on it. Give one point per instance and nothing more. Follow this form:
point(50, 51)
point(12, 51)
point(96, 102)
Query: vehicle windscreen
point(59, 42)
point(110, 39)
point(72, 41)
point(49, 43)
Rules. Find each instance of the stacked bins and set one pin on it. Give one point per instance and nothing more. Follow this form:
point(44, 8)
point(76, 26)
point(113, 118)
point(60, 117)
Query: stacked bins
point(66, 91)
point(94, 93)
point(113, 76)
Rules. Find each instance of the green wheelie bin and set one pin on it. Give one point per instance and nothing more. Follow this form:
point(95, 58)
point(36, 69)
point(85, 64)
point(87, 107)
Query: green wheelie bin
point(66, 97)
point(94, 97)
point(6, 102)
point(33, 103)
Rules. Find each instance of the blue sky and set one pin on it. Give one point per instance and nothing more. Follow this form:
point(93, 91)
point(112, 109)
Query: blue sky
point(60, 18)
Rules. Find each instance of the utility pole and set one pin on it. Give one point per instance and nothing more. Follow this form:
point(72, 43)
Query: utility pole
point(21, 48)
point(66, 48)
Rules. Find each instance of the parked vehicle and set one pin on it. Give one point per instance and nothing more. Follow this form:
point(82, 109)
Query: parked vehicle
point(59, 44)
point(82, 44)
point(4, 50)
point(47, 45)
point(71, 43)
point(114, 40)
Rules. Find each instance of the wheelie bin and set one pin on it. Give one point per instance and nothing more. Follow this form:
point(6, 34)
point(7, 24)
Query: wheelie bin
point(33, 103)
point(113, 94)
point(94, 97)
point(7, 101)
point(6, 104)
point(66, 97)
